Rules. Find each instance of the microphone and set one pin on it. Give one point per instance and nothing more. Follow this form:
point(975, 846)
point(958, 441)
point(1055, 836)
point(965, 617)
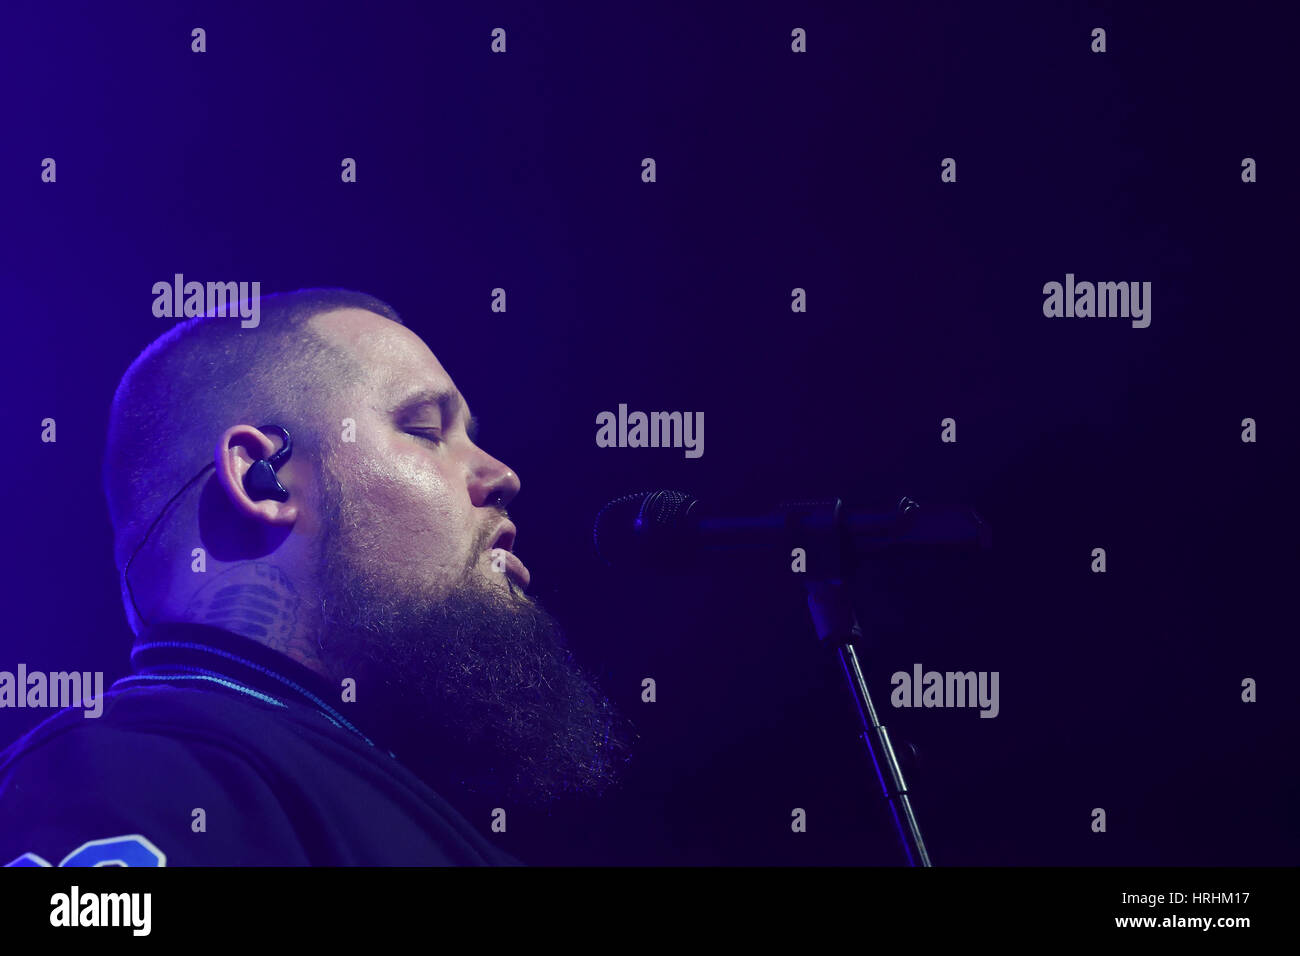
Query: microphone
point(671, 529)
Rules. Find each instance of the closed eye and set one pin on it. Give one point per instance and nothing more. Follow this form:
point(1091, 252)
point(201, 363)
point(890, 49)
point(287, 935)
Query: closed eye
point(429, 434)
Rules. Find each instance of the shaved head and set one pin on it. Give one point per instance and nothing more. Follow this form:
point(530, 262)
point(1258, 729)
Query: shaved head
point(205, 374)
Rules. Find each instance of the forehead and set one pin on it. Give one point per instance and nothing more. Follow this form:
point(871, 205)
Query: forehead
point(396, 360)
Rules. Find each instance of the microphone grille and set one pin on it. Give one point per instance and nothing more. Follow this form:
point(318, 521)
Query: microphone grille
point(635, 528)
point(664, 509)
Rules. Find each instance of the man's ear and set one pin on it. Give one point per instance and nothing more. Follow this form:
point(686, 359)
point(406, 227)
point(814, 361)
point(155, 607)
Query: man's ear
point(237, 449)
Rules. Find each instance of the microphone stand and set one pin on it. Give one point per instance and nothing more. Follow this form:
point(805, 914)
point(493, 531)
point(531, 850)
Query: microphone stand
point(836, 623)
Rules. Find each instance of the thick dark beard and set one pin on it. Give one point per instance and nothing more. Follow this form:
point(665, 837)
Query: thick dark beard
point(476, 689)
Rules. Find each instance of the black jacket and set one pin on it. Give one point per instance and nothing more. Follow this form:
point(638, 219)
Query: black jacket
point(216, 722)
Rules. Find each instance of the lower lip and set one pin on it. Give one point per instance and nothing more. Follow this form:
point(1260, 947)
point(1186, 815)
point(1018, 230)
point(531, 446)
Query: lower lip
point(513, 566)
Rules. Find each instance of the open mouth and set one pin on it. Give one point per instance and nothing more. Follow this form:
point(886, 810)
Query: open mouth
point(504, 560)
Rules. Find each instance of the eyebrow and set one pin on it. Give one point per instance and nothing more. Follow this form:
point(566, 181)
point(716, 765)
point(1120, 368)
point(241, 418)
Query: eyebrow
point(448, 401)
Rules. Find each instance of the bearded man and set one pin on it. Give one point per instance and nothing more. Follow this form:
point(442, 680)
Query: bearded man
point(333, 635)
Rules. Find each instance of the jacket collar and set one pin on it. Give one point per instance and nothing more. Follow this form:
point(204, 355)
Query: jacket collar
point(185, 650)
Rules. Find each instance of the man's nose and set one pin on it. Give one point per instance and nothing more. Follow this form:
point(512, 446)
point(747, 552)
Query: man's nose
point(493, 483)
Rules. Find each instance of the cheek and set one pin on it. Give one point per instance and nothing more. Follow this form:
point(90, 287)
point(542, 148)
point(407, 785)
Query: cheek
point(414, 509)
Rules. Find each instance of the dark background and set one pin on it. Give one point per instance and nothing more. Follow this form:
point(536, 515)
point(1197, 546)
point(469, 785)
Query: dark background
point(775, 170)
